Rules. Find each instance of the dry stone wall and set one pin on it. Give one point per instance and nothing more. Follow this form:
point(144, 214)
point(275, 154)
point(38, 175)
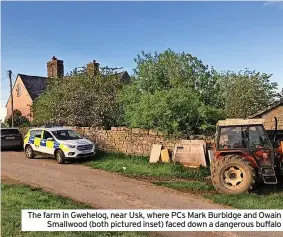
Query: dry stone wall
point(133, 141)
point(269, 122)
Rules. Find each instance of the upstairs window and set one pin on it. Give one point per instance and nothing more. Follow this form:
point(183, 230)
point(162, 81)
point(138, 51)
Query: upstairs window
point(19, 90)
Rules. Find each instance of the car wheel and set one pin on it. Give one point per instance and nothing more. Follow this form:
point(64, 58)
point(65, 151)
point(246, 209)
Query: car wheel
point(60, 157)
point(29, 152)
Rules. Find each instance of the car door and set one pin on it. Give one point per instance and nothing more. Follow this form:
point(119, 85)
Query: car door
point(36, 141)
point(47, 143)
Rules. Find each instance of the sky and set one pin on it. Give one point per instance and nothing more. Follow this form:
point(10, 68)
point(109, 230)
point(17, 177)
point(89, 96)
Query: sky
point(226, 35)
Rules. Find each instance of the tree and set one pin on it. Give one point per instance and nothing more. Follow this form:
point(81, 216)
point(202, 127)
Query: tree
point(247, 92)
point(81, 100)
point(174, 111)
point(4, 124)
point(19, 120)
point(166, 70)
point(172, 92)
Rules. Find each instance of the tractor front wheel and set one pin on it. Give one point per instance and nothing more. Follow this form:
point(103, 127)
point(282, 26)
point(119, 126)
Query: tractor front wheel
point(233, 175)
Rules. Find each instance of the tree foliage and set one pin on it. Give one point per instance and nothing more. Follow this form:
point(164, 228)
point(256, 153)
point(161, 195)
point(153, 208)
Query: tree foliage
point(19, 119)
point(4, 124)
point(247, 92)
point(173, 93)
point(166, 70)
point(80, 99)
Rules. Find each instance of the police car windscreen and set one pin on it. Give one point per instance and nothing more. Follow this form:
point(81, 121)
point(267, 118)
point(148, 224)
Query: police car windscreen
point(66, 135)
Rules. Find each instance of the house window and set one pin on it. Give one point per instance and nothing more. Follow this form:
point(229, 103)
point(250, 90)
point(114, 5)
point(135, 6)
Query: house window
point(19, 90)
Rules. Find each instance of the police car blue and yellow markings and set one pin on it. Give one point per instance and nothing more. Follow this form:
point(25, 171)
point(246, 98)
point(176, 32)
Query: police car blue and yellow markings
point(56, 145)
point(37, 141)
point(49, 144)
point(64, 147)
point(31, 140)
point(43, 142)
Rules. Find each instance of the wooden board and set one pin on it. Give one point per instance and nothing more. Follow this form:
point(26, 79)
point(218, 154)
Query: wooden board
point(165, 156)
point(200, 142)
point(190, 154)
point(155, 153)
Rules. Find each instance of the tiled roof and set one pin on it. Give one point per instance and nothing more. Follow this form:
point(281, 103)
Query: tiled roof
point(275, 104)
point(35, 85)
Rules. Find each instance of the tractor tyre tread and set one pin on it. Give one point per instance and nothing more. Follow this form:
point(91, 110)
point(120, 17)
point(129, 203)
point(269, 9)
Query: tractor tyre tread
point(233, 158)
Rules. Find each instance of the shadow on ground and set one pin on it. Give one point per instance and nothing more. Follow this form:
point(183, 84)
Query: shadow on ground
point(265, 189)
point(15, 149)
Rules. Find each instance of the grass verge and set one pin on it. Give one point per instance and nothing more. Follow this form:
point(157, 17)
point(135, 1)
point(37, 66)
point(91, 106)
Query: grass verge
point(192, 180)
point(194, 186)
point(17, 196)
point(138, 166)
point(271, 200)
point(250, 201)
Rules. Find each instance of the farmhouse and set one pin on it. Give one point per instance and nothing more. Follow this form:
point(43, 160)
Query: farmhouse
point(27, 87)
point(268, 114)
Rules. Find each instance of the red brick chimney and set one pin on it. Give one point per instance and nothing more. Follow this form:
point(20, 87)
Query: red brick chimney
point(92, 68)
point(55, 68)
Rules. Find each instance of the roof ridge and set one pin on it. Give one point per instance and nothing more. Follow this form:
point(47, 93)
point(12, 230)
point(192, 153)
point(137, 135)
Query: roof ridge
point(267, 108)
point(30, 75)
point(33, 84)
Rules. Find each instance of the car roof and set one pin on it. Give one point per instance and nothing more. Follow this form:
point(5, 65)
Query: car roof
point(50, 128)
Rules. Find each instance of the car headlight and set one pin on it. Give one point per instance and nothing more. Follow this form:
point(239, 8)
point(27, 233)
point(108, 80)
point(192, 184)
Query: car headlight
point(70, 146)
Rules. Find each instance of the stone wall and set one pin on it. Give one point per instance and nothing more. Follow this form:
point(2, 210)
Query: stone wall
point(268, 117)
point(133, 141)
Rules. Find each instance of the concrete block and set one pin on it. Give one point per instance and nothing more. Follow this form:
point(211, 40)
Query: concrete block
point(190, 154)
point(114, 129)
point(165, 156)
point(155, 153)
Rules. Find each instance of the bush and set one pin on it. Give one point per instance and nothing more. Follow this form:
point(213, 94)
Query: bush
point(173, 93)
point(80, 100)
point(19, 120)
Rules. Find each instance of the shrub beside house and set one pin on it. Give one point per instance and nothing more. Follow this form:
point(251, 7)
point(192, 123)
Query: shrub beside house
point(27, 88)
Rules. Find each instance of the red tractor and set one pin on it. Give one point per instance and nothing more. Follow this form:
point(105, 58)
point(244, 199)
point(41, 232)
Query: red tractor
point(243, 154)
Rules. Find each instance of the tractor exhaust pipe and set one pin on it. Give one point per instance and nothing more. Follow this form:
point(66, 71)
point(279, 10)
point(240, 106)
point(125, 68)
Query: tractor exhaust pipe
point(275, 132)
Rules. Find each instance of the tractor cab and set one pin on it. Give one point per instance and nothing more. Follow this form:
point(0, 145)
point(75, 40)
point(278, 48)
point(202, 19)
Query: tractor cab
point(243, 151)
point(246, 136)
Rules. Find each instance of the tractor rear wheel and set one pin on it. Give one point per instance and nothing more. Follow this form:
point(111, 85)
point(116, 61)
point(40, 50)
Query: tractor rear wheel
point(233, 175)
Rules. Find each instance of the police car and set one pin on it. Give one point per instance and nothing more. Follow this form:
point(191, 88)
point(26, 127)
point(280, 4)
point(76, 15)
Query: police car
point(61, 142)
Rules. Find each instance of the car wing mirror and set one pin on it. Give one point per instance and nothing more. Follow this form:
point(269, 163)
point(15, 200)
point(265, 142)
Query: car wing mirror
point(50, 139)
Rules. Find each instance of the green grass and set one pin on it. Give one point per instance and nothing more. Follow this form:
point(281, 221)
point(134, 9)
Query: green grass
point(250, 201)
point(16, 197)
point(187, 186)
point(168, 174)
point(273, 200)
point(138, 166)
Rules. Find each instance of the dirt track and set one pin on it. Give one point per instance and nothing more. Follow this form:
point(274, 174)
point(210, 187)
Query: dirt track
point(105, 190)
